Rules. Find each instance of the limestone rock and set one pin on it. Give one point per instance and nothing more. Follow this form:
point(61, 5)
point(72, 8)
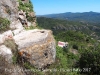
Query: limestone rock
point(29, 24)
point(19, 28)
point(16, 25)
point(6, 35)
point(7, 68)
point(17, 31)
point(8, 9)
point(1, 38)
point(37, 47)
point(22, 15)
point(6, 53)
point(32, 14)
point(34, 24)
point(25, 1)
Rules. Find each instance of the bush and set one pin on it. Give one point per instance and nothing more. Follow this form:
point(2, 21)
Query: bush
point(27, 7)
point(4, 24)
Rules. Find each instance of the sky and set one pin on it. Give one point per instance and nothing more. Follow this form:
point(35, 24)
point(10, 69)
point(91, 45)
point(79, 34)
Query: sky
point(43, 7)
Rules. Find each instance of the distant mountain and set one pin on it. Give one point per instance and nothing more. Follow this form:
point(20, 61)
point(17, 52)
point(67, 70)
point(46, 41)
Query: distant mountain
point(92, 17)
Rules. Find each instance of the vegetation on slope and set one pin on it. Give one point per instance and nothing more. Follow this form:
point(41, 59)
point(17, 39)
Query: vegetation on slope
point(58, 26)
point(81, 57)
point(28, 8)
point(87, 56)
point(4, 24)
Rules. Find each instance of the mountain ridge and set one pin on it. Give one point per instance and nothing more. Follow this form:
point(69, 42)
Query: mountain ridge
point(92, 17)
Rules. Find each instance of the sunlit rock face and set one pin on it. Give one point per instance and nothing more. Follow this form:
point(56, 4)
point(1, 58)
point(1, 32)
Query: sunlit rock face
point(6, 53)
point(5, 36)
point(36, 47)
point(9, 9)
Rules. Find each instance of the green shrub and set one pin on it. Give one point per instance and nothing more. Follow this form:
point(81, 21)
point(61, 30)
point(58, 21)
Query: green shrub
point(33, 70)
point(14, 58)
point(29, 18)
point(27, 7)
point(30, 27)
point(4, 24)
point(11, 44)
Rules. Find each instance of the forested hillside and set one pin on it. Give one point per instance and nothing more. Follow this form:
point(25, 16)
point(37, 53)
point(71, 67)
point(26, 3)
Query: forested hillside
point(64, 25)
point(82, 53)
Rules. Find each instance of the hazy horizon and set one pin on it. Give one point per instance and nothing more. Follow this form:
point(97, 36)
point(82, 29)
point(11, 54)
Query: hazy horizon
point(44, 7)
point(69, 12)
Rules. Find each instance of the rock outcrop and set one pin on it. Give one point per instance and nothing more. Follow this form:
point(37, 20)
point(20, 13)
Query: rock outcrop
point(5, 36)
point(6, 53)
point(9, 9)
point(25, 1)
point(37, 47)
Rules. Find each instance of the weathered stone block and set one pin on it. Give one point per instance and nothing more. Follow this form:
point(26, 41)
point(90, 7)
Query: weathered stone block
point(37, 47)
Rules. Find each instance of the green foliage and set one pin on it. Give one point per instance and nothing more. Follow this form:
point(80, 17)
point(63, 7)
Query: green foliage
point(27, 7)
point(71, 55)
point(30, 27)
point(75, 47)
point(30, 18)
point(90, 59)
point(61, 56)
point(78, 35)
point(4, 24)
point(32, 70)
point(61, 66)
point(10, 44)
point(14, 58)
point(71, 36)
point(77, 40)
point(58, 26)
